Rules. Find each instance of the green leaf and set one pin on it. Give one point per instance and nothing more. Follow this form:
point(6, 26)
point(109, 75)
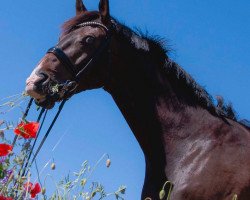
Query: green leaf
point(2, 174)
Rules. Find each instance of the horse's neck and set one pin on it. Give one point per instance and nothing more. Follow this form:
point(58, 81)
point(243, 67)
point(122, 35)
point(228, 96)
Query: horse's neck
point(138, 87)
point(154, 113)
point(144, 94)
point(135, 97)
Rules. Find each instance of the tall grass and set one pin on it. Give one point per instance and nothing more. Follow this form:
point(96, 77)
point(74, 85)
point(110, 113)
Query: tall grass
point(15, 183)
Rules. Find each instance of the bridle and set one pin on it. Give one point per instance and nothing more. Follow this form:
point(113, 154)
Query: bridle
point(65, 60)
point(76, 77)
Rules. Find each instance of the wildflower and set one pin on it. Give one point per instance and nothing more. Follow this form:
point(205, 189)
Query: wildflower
point(5, 149)
point(4, 181)
point(2, 159)
point(32, 189)
point(27, 130)
point(7, 175)
point(5, 198)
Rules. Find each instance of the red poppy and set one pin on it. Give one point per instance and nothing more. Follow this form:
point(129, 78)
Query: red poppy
point(32, 189)
point(27, 130)
point(5, 150)
point(5, 198)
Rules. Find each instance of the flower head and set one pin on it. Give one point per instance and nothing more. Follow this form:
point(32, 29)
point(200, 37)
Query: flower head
point(5, 198)
point(5, 149)
point(33, 189)
point(27, 130)
point(7, 176)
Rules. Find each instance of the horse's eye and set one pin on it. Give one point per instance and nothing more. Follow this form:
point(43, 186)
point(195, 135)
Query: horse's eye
point(90, 40)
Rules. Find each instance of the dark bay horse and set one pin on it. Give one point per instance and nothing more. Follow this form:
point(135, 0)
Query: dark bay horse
point(186, 139)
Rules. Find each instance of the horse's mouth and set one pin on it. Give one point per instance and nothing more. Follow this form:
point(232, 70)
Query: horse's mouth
point(48, 94)
point(42, 97)
point(45, 103)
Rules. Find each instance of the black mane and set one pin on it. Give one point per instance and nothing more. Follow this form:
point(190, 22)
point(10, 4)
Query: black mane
point(156, 47)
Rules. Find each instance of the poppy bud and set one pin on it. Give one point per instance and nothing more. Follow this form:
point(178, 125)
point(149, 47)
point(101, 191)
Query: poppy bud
point(1, 134)
point(235, 197)
point(93, 194)
point(43, 191)
point(53, 166)
point(162, 194)
point(108, 163)
point(83, 182)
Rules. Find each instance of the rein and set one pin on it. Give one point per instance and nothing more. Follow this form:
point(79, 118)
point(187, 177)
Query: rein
point(65, 60)
point(43, 113)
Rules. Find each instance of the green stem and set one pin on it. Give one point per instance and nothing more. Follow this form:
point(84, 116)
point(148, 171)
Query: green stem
point(170, 188)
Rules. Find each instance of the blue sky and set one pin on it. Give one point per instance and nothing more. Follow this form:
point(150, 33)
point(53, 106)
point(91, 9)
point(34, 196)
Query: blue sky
point(210, 39)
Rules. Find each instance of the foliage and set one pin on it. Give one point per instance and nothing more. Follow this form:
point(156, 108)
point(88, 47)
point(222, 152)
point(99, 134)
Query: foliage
point(80, 186)
point(15, 176)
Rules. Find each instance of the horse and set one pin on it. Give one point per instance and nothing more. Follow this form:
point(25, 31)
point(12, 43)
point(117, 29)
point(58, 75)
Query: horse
point(200, 147)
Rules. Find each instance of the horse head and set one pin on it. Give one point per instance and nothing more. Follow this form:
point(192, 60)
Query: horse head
point(78, 62)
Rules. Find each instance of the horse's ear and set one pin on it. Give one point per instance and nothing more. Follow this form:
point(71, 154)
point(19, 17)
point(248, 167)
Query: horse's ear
point(80, 8)
point(104, 10)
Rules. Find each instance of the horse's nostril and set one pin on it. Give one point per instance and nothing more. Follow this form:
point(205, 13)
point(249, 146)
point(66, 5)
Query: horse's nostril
point(40, 84)
point(43, 78)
